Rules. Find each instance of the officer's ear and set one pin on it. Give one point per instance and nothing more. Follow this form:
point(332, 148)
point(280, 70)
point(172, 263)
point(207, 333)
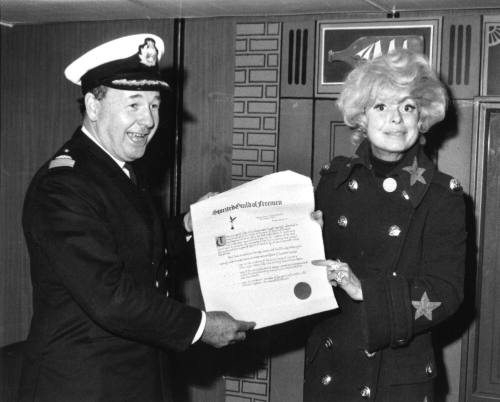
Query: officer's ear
point(92, 106)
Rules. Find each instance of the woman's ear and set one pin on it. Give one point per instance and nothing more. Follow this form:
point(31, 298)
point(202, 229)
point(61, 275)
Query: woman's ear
point(92, 106)
point(422, 126)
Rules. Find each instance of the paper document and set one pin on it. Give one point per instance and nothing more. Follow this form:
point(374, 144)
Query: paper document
point(254, 246)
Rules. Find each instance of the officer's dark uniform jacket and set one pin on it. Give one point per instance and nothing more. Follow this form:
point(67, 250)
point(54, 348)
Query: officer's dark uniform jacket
point(404, 237)
point(97, 249)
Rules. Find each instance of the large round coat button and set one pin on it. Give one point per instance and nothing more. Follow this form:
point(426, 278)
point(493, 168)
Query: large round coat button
point(394, 231)
point(390, 185)
point(342, 221)
point(366, 392)
point(326, 379)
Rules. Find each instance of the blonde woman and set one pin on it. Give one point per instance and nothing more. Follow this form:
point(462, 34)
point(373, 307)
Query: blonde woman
point(394, 233)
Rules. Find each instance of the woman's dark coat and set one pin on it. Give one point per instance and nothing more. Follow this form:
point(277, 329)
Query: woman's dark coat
point(407, 246)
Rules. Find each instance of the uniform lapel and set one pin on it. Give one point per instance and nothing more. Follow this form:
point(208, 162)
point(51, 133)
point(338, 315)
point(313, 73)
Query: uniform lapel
point(99, 163)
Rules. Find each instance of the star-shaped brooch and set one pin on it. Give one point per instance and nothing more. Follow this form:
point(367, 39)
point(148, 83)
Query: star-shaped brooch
point(424, 307)
point(415, 173)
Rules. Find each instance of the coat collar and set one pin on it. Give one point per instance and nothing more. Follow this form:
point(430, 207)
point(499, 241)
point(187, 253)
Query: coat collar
point(413, 174)
point(100, 158)
point(99, 162)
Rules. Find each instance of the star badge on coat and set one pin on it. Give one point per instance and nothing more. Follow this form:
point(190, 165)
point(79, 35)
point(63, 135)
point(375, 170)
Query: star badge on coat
point(425, 307)
point(416, 173)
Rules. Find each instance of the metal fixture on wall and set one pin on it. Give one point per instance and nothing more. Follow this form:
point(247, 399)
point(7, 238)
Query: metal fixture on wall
point(175, 175)
point(393, 13)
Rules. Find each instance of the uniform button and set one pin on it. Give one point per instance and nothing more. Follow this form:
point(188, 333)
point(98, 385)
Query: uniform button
point(342, 221)
point(157, 284)
point(326, 166)
point(429, 370)
point(394, 274)
point(400, 342)
point(326, 379)
point(390, 185)
point(328, 343)
point(394, 231)
point(405, 195)
point(369, 355)
point(366, 392)
point(353, 185)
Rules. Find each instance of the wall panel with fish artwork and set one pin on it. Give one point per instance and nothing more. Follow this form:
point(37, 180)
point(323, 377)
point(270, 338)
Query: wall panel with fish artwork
point(343, 44)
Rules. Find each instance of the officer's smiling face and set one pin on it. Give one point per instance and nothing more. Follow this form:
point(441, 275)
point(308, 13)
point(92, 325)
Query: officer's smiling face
point(392, 124)
point(125, 122)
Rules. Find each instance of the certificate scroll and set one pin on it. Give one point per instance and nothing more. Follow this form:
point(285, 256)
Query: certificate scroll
point(254, 246)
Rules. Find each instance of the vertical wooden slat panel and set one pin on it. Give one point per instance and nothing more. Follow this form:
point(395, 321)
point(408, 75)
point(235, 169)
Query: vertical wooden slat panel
point(209, 48)
point(483, 357)
point(208, 96)
point(461, 54)
point(331, 136)
point(297, 55)
point(295, 146)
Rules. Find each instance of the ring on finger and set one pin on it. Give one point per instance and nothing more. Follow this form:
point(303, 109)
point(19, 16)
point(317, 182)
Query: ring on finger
point(339, 276)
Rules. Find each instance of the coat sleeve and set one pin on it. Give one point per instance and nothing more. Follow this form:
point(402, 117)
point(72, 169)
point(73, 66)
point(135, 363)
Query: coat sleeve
point(399, 307)
point(179, 242)
point(70, 232)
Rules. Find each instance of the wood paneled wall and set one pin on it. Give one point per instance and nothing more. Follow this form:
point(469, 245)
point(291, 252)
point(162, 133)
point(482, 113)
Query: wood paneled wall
point(39, 111)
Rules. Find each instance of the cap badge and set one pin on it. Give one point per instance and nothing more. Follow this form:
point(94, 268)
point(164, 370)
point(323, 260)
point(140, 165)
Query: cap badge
point(148, 53)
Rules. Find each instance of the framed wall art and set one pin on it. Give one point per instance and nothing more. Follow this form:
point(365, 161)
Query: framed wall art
point(490, 84)
point(343, 44)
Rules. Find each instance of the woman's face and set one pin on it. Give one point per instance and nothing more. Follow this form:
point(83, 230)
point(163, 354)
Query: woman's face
point(392, 124)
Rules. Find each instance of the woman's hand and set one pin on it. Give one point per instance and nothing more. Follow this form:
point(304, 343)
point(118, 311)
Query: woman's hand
point(339, 274)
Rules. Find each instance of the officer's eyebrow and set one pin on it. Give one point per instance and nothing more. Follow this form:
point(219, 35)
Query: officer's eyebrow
point(141, 96)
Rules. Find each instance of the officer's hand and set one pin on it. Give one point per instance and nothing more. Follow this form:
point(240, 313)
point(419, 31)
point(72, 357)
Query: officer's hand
point(221, 329)
point(318, 217)
point(340, 274)
point(188, 223)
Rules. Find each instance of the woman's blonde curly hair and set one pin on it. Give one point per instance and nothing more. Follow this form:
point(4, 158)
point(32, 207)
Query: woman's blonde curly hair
point(400, 69)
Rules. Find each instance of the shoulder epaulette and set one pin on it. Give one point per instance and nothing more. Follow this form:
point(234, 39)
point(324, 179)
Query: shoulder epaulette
point(62, 160)
point(448, 182)
point(334, 165)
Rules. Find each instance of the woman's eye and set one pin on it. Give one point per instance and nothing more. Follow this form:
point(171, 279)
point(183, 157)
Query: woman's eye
point(133, 105)
point(380, 107)
point(155, 106)
point(409, 107)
